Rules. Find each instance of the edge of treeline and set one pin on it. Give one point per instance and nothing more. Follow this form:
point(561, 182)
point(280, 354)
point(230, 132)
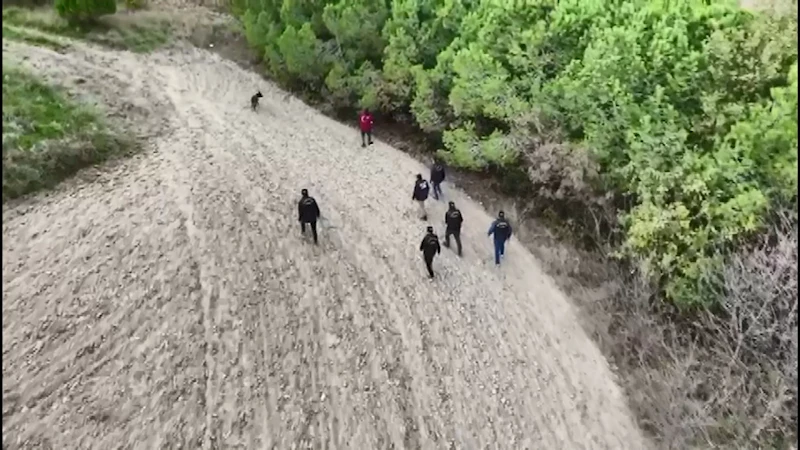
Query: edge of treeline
point(675, 121)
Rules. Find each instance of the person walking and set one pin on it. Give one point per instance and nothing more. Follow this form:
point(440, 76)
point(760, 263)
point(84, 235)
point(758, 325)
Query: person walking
point(308, 213)
point(501, 230)
point(437, 177)
point(453, 221)
point(421, 190)
point(430, 248)
point(366, 122)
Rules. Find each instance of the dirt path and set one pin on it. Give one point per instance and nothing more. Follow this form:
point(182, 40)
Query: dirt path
point(172, 304)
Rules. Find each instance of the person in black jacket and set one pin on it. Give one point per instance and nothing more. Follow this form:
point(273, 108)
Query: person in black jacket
point(437, 177)
point(421, 189)
point(429, 248)
point(308, 213)
point(501, 229)
point(453, 221)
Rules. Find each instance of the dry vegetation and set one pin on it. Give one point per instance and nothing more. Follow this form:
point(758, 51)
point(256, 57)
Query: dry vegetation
point(721, 379)
point(727, 377)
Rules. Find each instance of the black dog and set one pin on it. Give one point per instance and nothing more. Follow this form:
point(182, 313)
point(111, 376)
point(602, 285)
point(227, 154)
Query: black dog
point(254, 100)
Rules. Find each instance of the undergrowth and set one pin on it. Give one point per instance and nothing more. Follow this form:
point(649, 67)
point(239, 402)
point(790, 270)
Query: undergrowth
point(32, 37)
point(47, 137)
point(135, 32)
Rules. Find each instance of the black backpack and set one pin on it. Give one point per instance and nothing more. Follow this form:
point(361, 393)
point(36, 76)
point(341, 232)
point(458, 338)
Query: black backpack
point(502, 225)
point(307, 206)
point(455, 216)
point(431, 241)
point(423, 186)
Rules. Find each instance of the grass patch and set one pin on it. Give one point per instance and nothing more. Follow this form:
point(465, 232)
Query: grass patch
point(26, 35)
point(47, 137)
point(127, 31)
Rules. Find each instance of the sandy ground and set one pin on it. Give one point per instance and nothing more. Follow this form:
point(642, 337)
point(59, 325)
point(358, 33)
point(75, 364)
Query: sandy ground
point(171, 303)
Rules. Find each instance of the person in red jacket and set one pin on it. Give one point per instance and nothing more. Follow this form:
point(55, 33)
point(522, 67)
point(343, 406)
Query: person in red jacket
point(366, 127)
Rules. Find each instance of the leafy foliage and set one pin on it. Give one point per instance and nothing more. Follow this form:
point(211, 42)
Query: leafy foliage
point(687, 108)
point(84, 10)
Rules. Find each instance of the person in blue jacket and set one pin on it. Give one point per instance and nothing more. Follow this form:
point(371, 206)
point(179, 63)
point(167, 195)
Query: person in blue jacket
point(501, 230)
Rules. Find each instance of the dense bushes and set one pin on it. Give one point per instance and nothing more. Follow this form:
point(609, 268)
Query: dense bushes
point(688, 110)
point(80, 11)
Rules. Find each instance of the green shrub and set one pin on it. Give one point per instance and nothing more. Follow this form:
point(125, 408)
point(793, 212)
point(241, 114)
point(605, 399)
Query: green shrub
point(82, 11)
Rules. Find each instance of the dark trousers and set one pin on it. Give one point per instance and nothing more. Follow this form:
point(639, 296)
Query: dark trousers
point(456, 236)
point(368, 135)
point(437, 189)
point(499, 249)
point(313, 229)
point(429, 262)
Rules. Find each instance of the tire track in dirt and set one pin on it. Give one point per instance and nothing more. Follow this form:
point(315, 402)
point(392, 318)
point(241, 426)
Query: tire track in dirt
point(339, 346)
point(205, 300)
